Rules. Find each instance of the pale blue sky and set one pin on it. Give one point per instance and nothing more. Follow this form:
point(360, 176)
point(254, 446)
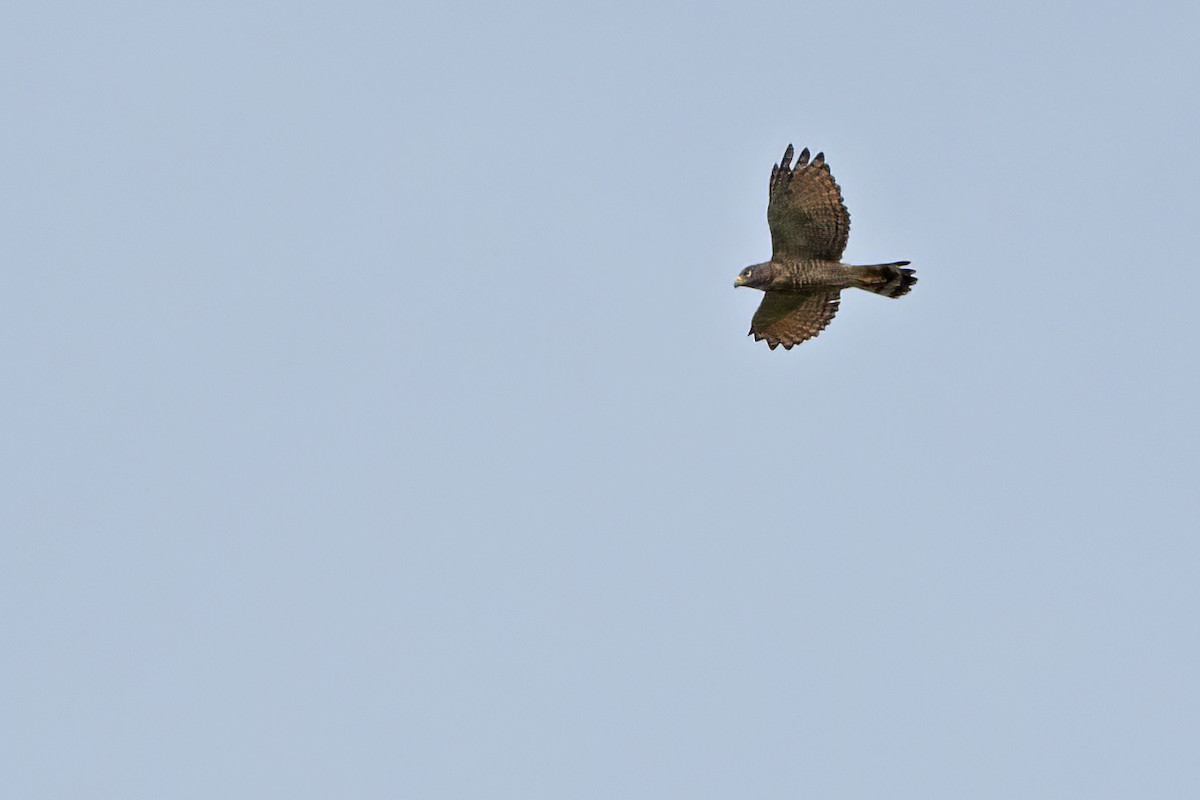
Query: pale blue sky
point(380, 419)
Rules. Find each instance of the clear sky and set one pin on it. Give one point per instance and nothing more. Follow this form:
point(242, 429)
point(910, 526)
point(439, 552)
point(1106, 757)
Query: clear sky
point(379, 418)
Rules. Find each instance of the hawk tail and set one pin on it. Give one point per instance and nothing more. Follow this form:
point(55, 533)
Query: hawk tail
point(888, 280)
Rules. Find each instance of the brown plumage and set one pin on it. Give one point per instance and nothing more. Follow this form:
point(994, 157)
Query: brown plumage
point(805, 277)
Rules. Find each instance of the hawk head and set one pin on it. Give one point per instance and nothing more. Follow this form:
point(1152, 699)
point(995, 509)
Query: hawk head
point(756, 276)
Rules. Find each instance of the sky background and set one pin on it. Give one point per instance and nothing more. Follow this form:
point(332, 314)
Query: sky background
point(379, 418)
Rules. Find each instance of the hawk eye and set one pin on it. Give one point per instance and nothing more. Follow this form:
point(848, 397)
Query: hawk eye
point(746, 274)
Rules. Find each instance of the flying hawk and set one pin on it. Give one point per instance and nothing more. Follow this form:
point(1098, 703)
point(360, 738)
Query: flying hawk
point(804, 279)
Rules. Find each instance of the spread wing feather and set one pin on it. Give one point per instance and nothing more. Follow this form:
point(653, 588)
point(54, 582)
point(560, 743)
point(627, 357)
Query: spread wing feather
point(789, 318)
point(806, 214)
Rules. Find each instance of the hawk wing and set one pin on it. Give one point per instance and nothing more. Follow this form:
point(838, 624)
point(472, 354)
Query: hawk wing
point(805, 212)
point(789, 318)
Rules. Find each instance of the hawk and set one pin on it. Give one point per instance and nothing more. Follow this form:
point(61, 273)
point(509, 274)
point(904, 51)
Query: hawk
point(804, 279)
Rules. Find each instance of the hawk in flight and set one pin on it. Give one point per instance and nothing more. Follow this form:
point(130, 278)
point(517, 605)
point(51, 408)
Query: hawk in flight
point(804, 279)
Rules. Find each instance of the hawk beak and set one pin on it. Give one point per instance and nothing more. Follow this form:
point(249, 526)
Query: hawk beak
point(739, 281)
